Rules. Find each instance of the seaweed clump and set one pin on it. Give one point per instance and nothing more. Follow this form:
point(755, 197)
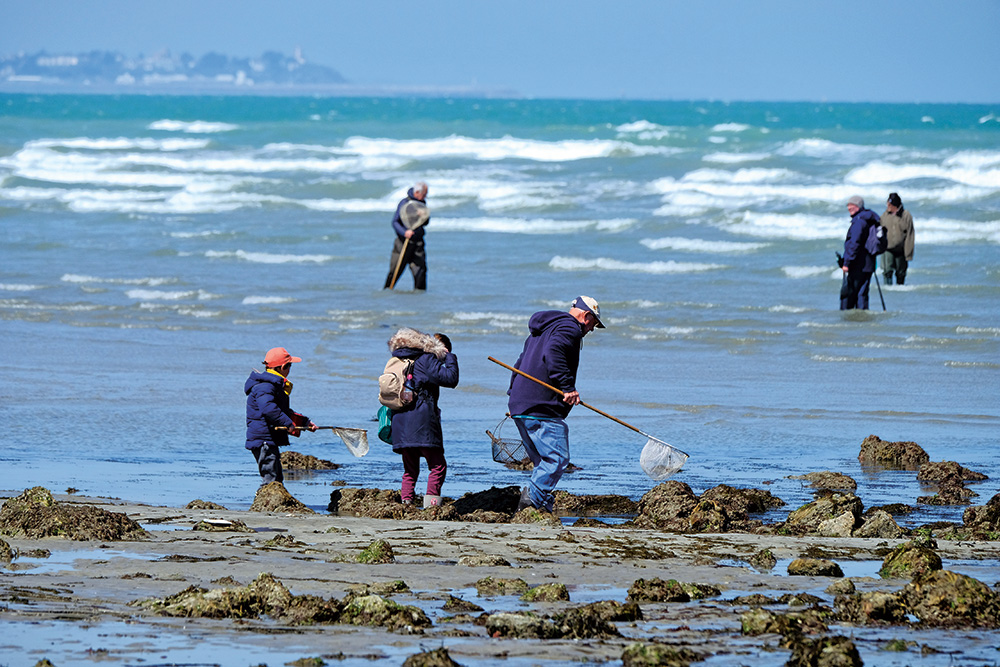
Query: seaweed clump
point(35, 514)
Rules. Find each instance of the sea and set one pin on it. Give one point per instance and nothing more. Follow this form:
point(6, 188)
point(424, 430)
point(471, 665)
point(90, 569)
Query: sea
point(154, 247)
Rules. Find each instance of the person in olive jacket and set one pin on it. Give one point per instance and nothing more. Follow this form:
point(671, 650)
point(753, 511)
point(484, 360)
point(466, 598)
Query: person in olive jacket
point(267, 409)
point(901, 239)
point(416, 429)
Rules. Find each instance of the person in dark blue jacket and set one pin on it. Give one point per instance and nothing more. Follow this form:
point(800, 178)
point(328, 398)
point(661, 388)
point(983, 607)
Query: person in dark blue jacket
point(416, 429)
point(416, 256)
point(858, 265)
point(267, 408)
point(551, 354)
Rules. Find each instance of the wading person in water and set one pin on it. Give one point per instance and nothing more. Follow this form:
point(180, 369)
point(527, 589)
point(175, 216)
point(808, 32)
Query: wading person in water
point(409, 221)
point(267, 408)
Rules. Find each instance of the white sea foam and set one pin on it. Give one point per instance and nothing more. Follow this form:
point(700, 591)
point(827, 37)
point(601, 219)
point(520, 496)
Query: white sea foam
point(529, 225)
point(19, 287)
point(192, 235)
point(150, 282)
point(193, 127)
point(644, 130)
point(787, 309)
point(987, 331)
point(798, 226)
point(505, 148)
point(121, 143)
point(268, 258)
point(731, 127)
point(741, 176)
point(890, 175)
point(163, 295)
point(608, 264)
point(735, 158)
point(805, 271)
point(266, 300)
point(700, 245)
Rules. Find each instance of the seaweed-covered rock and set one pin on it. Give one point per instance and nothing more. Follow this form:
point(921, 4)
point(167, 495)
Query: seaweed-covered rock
point(824, 652)
point(879, 524)
point(384, 589)
point(640, 654)
point(951, 491)
point(378, 552)
point(814, 567)
point(841, 587)
point(222, 526)
point(603, 505)
point(827, 505)
point(760, 621)
point(838, 526)
point(611, 610)
point(6, 553)
point(894, 455)
point(439, 657)
point(274, 497)
point(520, 626)
point(377, 611)
point(35, 514)
point(708, 516)
point(984, 519)
point(554, 592)
point(361, 501)
point(585, 622)
point(535, 515)
point(739, 503)
point(483, 560)
point(456, 605)
point(910, 560)
point(946, 598)
point(489, 586)
point(296, 461)
point(200, 504)
point(871, 608)
point(827, 479)
point(892, 509)
point(667, 506)
point(500, 500)
point(657, 590)
point(763, 561)
point(701, 591)
point(265, 595)
point(936, 471)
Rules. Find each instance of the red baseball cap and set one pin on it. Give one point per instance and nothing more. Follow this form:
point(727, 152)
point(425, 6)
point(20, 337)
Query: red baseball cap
point(278, 356)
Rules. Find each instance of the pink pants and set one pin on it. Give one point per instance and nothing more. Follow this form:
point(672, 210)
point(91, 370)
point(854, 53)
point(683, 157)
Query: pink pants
point(436, 465)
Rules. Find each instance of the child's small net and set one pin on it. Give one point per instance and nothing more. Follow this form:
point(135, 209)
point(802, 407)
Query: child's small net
point(506, 450)
point(356, 439)
point(660, 460)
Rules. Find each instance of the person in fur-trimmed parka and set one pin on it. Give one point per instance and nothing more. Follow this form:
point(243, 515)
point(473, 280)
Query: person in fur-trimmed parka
point(416, 430)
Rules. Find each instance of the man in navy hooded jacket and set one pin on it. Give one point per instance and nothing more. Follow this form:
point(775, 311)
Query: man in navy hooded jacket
point(858, 264)
point(416, 255)
point(551, 354)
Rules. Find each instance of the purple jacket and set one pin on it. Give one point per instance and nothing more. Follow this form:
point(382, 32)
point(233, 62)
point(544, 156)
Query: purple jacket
point(552, 354)
point(856, 258)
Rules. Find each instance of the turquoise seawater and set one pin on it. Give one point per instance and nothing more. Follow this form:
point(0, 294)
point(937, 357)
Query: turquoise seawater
point(155, 247)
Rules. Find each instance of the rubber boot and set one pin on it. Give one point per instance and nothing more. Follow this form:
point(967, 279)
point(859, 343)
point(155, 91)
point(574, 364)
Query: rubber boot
point(888, 278)
point(431, 501)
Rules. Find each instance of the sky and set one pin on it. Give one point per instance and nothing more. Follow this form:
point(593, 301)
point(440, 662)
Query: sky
point(727, 50)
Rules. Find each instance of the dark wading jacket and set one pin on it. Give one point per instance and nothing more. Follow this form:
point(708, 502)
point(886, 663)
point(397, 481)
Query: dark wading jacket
point(856, 258)
point(397, 221)
point(552, 354)
point(419, 424)
point(267, 406)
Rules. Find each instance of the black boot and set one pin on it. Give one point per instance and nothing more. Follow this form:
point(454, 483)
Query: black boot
point(900, 278)
point(888, 278)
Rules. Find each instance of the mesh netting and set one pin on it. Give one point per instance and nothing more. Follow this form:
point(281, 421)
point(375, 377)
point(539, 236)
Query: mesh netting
point(506, 450)
point(356, 439)
point(659, 460)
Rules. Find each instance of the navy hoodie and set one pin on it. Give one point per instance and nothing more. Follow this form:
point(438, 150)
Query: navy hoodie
point(267, 406)
point(855, 255)
point(397, 220)
point(552, 354)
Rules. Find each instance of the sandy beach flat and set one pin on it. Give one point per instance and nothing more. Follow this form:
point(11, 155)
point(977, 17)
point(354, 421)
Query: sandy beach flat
point(93, 583)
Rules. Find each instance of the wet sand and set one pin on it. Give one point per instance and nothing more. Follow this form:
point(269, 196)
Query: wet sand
point(43, 600)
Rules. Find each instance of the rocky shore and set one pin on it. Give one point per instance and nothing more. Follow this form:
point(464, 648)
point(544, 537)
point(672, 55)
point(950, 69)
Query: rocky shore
point(683, 578)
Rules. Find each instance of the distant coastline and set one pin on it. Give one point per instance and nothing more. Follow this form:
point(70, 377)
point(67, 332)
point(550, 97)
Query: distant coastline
point(271, 74)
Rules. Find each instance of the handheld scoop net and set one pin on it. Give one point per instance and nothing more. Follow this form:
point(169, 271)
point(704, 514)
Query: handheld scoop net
point(356, 439)
point(658, 459)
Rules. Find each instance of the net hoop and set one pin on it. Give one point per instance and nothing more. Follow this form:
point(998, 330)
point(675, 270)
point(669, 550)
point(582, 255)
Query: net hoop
point(660, 460)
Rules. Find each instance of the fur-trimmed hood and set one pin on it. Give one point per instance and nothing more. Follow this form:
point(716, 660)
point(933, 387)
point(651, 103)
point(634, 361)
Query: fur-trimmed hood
point(416, 340)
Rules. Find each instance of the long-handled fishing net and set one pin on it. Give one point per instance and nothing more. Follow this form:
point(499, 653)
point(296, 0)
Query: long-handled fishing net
point(356, 439)
point(658, 459)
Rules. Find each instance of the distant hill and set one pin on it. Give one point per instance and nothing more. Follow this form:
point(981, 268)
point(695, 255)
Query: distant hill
point(104, 68)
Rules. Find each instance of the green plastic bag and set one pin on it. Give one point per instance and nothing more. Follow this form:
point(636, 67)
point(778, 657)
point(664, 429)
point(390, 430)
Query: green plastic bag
point(385, 425)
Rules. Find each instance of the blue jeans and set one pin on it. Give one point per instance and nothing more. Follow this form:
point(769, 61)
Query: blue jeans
point(547, 444)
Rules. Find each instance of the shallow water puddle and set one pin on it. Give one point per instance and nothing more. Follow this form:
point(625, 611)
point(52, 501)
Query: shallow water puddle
point(59, 561)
